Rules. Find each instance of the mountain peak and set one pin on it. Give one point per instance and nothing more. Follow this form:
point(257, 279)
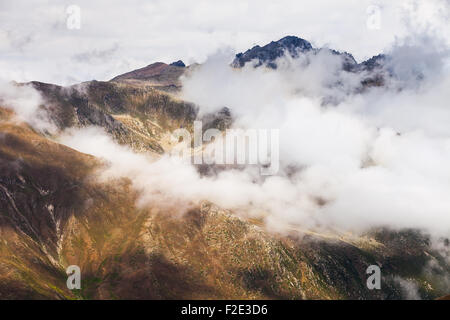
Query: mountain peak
point(162, 75)
point(295, 46)
point(294, 42)
point(178, 63)
point(275, 49)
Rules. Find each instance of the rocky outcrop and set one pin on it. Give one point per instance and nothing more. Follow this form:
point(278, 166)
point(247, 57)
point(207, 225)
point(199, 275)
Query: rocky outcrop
point(292, 46)
point(270, 52)
point(178, 63)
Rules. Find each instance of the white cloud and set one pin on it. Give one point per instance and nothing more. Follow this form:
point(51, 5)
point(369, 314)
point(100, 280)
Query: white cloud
point(26, 103)
point(36, 45)
point(377, 159)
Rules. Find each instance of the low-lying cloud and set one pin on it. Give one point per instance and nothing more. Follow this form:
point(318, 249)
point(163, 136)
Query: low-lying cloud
point(377, 158)
point(26, 103)
point(371, 158)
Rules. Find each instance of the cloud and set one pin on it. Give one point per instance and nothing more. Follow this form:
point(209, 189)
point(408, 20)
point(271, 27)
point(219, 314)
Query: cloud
point(376, 159)
point(350, 160)
point(170, 30)
point(26, 103)
point(96, 56)
point(370, 160)
point(409, 288)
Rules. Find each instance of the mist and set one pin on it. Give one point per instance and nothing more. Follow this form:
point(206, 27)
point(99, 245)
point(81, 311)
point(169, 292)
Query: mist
point(376, 158)
point(350, 160)
point(26, 103)
point(373, 159)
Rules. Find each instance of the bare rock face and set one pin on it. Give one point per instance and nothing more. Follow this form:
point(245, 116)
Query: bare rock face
point(290, 45)
point(178, 63)
point(295, 47)
point(270, 52)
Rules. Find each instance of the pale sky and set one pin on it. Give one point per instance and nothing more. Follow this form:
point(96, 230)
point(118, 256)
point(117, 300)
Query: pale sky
point(119, 36)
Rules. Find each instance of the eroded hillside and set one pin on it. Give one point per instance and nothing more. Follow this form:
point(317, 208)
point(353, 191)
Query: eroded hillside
point(55, 214)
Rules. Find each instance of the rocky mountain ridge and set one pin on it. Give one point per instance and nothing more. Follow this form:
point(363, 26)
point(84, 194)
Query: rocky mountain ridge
point(294, 47)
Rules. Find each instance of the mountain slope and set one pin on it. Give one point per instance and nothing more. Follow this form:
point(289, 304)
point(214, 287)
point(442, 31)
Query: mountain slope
point(160, 75)
point(54, 212)
point(138, 116)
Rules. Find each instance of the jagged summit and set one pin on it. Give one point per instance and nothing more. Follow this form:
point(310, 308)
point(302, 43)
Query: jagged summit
point(374, 62)
point(295, 46)
point(178, 63)
point(268, 53)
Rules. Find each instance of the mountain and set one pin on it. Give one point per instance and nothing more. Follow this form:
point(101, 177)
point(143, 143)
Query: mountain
point(270, 52)
point(53, 213)
point(134, 114)
point(166, 77)
point(160, 75)
point(294, 47)
point(54, 216)
point(376, 62)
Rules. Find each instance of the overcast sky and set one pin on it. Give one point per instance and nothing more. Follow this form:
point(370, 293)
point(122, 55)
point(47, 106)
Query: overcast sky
point(118, 36)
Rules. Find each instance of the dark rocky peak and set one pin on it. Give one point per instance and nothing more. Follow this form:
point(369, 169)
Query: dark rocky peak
point(348, 61)
point(178, 63)
point(376, 70)
point(294, 46)
point(270, 52)
point(374, 63)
